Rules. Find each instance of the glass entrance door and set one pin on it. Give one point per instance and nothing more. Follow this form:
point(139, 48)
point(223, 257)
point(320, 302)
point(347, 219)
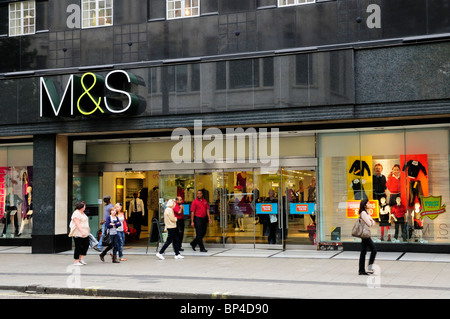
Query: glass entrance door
point(248, 207)
point(239, 207)
point(210, 184)
point(299, 199)
point(173, 184)
point(230, 197)
point(269, 221)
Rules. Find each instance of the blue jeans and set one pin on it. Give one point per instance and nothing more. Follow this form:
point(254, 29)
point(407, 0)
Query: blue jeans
point(115, 242)
point(100, 246)
point(121, 239)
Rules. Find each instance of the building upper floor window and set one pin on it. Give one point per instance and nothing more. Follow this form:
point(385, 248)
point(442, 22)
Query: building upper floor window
point(285, 3)
point(22, 18)
point(97, 13)
point(183, 8)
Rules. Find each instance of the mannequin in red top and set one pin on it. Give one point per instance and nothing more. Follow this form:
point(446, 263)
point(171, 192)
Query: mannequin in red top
point(398, 214)
point(393, 184)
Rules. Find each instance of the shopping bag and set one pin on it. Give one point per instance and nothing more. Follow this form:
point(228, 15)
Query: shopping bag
point(93, 242)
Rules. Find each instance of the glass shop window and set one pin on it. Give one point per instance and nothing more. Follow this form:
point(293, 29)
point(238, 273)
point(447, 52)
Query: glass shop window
point(405, 176)
point(16, 189)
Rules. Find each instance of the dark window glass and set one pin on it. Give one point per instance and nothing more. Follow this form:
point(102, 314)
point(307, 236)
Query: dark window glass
point(156, 9)
point(244, 74)
point(221, 75)
point(301, 70)
point(268, 71)
point(195, 77)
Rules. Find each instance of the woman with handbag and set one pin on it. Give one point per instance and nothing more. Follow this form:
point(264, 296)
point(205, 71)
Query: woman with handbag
point(121, 230)
point(112, 223)
point(79, 230)
point(367, 242)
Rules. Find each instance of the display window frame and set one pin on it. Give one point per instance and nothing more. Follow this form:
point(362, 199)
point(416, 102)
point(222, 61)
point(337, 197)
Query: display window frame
point(423, 188)
point(16, 189)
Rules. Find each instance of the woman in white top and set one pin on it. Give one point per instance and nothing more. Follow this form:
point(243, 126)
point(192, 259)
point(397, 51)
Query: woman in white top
point(170, 223)
point(79, 230)
point(366, 242)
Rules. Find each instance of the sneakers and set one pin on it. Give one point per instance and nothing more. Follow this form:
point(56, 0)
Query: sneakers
point(82, 262)
point(77, 263)
point(160, 256)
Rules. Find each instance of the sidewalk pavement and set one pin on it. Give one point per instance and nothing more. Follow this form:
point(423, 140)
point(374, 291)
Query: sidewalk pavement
point(230, 274)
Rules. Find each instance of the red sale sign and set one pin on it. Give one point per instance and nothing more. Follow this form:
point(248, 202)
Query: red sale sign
point(352, 209)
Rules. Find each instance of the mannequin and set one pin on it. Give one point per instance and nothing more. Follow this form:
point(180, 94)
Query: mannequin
point(12, 201)
point(385, 218)
point(238, 197)
point(398, 214)
point(241, 180)
point(393, 184)
point(358, 188)
point(301, 192)
point(27, 215)
point(378, 182)
point(418, 223)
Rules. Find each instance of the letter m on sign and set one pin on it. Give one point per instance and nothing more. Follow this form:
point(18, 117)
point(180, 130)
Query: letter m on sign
point(52, 103)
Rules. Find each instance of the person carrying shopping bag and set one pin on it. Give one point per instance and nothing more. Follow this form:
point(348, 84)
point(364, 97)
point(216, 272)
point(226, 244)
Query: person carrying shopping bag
point(170, 222)
point(366, 242)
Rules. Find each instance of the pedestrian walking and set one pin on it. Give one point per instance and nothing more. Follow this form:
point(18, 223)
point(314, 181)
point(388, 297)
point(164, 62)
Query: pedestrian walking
point(108, 205)
point(179, 214)
point(199, 220)
point(170, 223)
point(79, 231)
point(112, 223)
point(366, 242)
point(121, 230)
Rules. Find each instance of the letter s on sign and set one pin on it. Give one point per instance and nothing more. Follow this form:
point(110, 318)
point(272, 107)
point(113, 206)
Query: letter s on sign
point(131, 97)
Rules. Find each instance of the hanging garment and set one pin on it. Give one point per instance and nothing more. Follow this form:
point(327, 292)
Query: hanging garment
point(358, 168)
point(358, 189)
point(415, 191)
point(413, 169)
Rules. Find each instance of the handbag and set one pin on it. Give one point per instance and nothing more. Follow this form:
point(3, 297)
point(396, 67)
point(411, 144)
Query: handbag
point(361, 230)
point(106, 238)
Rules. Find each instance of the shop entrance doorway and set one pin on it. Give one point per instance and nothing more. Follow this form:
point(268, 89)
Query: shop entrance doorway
point(248, 207)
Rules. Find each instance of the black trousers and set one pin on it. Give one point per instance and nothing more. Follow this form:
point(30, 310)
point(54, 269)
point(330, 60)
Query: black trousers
point(367, 243)
point(7, 222)
point(200, 224)
point(400, 224)
point(81, 247)
point(172, 238)
point(415, 190)
point(180, 227)
point(136, 219)
point(273, 229)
